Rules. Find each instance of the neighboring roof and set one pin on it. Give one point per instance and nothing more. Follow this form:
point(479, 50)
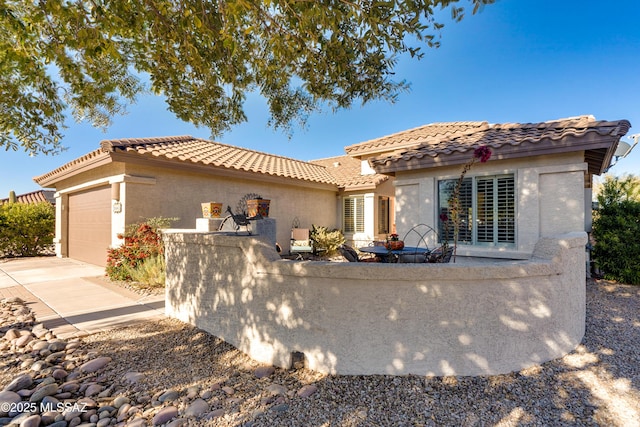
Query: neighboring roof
point(194, 151)
point(598, 139)
point(33, 197)
point(347, 172)
point(414, 137)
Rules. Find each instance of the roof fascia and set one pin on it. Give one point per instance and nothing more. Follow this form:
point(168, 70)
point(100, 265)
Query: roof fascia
point(49, 179)
point(505, 152)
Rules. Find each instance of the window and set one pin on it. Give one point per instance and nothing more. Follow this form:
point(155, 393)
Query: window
point(487, 210)
point(353, 214)
point(383, 215)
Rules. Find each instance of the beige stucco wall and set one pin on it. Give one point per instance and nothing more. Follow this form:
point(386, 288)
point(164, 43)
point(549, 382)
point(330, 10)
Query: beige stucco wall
point(363, 318)
point(549, 199)
point(179, 194)
point(166, 192)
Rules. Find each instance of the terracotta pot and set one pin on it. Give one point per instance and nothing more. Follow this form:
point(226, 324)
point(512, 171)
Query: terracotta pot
point(257, 207)
point(211, 210)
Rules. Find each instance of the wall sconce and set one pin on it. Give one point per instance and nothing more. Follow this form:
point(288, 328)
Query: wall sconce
point(115, 191)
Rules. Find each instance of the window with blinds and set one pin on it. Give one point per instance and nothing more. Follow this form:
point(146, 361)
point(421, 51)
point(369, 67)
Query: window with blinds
point(487, 210)
point(383, 215)
point(353, 214)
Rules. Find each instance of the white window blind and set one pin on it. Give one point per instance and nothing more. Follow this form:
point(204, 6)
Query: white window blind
point(487, 210)
point(353, 214)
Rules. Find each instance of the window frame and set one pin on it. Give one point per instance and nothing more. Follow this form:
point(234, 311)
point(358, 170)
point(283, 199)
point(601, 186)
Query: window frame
point(357, 207)
point(503, 227)
point(384, 215)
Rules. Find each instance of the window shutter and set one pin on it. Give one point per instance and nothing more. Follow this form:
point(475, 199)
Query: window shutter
point(353, 214)
point(505, 207)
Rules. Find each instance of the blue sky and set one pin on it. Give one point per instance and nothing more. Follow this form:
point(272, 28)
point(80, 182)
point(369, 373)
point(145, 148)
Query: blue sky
point(516, 61)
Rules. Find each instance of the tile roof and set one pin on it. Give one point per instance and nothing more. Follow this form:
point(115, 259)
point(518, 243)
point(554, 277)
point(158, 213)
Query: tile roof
point(515, 140)
point(347, 172)
point(190, 150)
point(47, 179)
point(415, 137)
point(33, 197)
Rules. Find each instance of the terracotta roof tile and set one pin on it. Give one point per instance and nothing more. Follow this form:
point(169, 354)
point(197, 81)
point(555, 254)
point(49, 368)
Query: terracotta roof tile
point(201, 151)
point(346, 171)
point(88, 158)
point(415, 137)
point(498, 136)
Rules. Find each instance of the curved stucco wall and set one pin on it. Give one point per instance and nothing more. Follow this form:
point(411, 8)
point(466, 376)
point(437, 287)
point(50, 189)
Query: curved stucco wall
point(363, 318)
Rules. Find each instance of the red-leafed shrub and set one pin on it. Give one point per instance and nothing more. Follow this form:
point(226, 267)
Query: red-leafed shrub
point(142, 243)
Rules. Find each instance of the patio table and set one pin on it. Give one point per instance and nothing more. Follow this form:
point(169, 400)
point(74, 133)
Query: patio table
point(393, 255)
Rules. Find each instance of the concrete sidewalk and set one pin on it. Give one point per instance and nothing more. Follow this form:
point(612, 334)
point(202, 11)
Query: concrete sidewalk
point(74, 298)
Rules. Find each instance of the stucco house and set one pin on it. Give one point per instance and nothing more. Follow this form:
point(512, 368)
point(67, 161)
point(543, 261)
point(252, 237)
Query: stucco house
point(537, 183)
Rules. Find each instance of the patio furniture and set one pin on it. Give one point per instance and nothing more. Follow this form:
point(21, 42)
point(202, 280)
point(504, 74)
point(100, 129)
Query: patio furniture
point(351, 255)
point(416, 238)
point(301, 242)
point(437, 255)
point(391, 256)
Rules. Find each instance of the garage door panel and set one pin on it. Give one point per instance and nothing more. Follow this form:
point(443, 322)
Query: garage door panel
point(90, 225)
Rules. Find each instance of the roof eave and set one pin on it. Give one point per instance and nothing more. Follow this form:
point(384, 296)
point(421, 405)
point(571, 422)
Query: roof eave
point(49, 179)
point(589, 142)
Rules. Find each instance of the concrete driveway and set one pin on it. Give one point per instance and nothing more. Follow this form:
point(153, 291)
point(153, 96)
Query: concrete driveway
point(74, 298)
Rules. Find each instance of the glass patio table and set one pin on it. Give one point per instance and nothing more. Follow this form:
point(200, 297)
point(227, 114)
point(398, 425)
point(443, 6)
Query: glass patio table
point(387, 255)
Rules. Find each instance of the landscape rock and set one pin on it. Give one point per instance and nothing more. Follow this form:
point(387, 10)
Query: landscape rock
point(197, 408)
point(307, 390)
point(168, 396)
point(165, 415)
point(20, 382)
point(32, 421)
point(133, 377)
point(95, 364)
point(7, 399)
point(47, 390)
point(264, 371)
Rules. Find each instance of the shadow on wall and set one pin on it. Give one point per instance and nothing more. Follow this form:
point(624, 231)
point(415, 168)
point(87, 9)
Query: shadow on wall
point(359, 319)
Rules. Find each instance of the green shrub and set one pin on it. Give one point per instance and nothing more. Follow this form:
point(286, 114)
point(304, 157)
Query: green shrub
point(26, 229)
point(616, 252)
point(151, 272)
point(142, 242)
point(330, 240)
point(616, 227)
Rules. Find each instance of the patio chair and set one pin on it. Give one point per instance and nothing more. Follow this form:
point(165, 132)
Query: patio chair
point(417, 237)
point(301, 242)
point(351, 255)
point(437, 255)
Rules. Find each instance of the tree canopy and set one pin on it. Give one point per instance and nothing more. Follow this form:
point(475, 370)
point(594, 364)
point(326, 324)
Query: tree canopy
point(92, 58)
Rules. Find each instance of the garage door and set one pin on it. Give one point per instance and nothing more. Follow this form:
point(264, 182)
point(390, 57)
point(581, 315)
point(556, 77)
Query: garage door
point(90, 225)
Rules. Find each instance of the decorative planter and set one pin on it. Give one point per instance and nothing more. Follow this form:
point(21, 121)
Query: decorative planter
point(257, 207)
point(211, 210)
point(394, 245)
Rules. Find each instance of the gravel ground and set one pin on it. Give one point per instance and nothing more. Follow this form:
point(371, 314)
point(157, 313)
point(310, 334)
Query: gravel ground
point(207, 382)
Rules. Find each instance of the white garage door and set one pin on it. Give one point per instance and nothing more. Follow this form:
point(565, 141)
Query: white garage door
point(90, 225)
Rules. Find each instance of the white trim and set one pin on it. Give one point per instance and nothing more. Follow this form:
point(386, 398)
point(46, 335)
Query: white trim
point(107, 181)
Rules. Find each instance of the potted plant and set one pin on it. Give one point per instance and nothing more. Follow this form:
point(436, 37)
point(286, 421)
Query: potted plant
point(394, 243)
point(211, 210)
point(258, 207)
